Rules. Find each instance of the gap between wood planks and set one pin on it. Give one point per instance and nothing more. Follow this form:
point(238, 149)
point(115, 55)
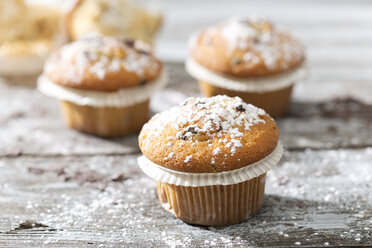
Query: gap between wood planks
point(294, 149)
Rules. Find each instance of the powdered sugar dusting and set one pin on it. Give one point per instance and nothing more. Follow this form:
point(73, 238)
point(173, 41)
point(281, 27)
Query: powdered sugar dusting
point(188, 158)
point(100, 55)
point(234, 145)
point(216, 151)
point(215, 117)
point(128, 212)
point(170, 155)
point(261, 39)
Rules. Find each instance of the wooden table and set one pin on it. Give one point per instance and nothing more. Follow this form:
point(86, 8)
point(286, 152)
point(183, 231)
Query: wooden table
point(61, 188)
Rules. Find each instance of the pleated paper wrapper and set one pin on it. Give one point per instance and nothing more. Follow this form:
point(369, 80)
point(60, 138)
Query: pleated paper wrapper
point(177, 178)
point(120, 98)
point(251, 84)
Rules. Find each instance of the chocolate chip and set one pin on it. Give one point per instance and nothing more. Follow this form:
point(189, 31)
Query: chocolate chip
point(87, 54)
point(143, 82)
point(192, 130)
point(183, 137)
point(196, 105)
point(200, 102)
point(256, 40)
point(129, 43)
point(236, 61)
point(240, 108)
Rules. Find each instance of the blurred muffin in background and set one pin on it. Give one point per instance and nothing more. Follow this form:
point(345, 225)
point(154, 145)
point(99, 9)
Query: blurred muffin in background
point(28, 34)
point(122, 18)
point(248, 57)
point(104, 84)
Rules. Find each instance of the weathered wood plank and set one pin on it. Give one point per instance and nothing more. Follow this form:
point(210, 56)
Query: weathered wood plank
point(61, 188)
point(30, 124)
point(313, 197)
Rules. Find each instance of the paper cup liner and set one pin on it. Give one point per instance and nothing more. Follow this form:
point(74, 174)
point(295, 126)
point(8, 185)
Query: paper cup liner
point(105, 121)
point(178, 178)
point(216, 205)
point(24, 68)
point(212, 199)
point(275, 102)
point(21, 70)
point(21, 66)
point(251, 84)
point(120, 98)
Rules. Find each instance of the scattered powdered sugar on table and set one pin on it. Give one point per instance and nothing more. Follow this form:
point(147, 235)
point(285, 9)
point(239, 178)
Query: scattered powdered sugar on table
point(260, 38)
point(101, 55)
point(329, 170)
point(128, 212)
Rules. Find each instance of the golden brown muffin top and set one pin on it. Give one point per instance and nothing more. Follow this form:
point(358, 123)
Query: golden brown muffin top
point(209, 135)
point(245, 47)
point(22, 22)
point(28, 30)
point(103, 64)
point(122, 18)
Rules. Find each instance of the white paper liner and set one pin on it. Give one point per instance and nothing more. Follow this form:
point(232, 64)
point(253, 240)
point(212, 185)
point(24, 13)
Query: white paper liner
point(30, 64)
point(120, 98)
point(251, 84)
point(177, 178)
point(21, 65)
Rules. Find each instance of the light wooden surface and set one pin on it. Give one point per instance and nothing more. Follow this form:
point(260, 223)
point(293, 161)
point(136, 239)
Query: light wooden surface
point(61, 188)
point(62, 181)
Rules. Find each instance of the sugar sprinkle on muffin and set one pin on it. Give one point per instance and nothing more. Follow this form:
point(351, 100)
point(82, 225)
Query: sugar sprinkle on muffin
point(104, 84)
point(29, 32)
point(120, 18)
point(247, 47)
point(250, 58)
point(119, 62)
point(209, 157)
point(209, 134)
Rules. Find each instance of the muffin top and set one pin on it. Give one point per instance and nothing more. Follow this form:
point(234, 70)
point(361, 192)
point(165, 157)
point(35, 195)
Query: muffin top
point(22, 22)
point(123, 18)
point(27, 30)
point(245, 47)
point(103, 64)
point(209, 135)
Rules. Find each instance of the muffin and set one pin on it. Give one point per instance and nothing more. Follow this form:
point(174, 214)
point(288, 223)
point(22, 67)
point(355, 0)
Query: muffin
point(250, 58)
point(123, 18)
point(103, 83)
point(28, 34)
point(209, 157)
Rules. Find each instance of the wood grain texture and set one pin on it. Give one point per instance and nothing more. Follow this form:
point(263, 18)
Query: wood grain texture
point(311, 198)
point(58, 186)
point(61, 188)
point(34, 126)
